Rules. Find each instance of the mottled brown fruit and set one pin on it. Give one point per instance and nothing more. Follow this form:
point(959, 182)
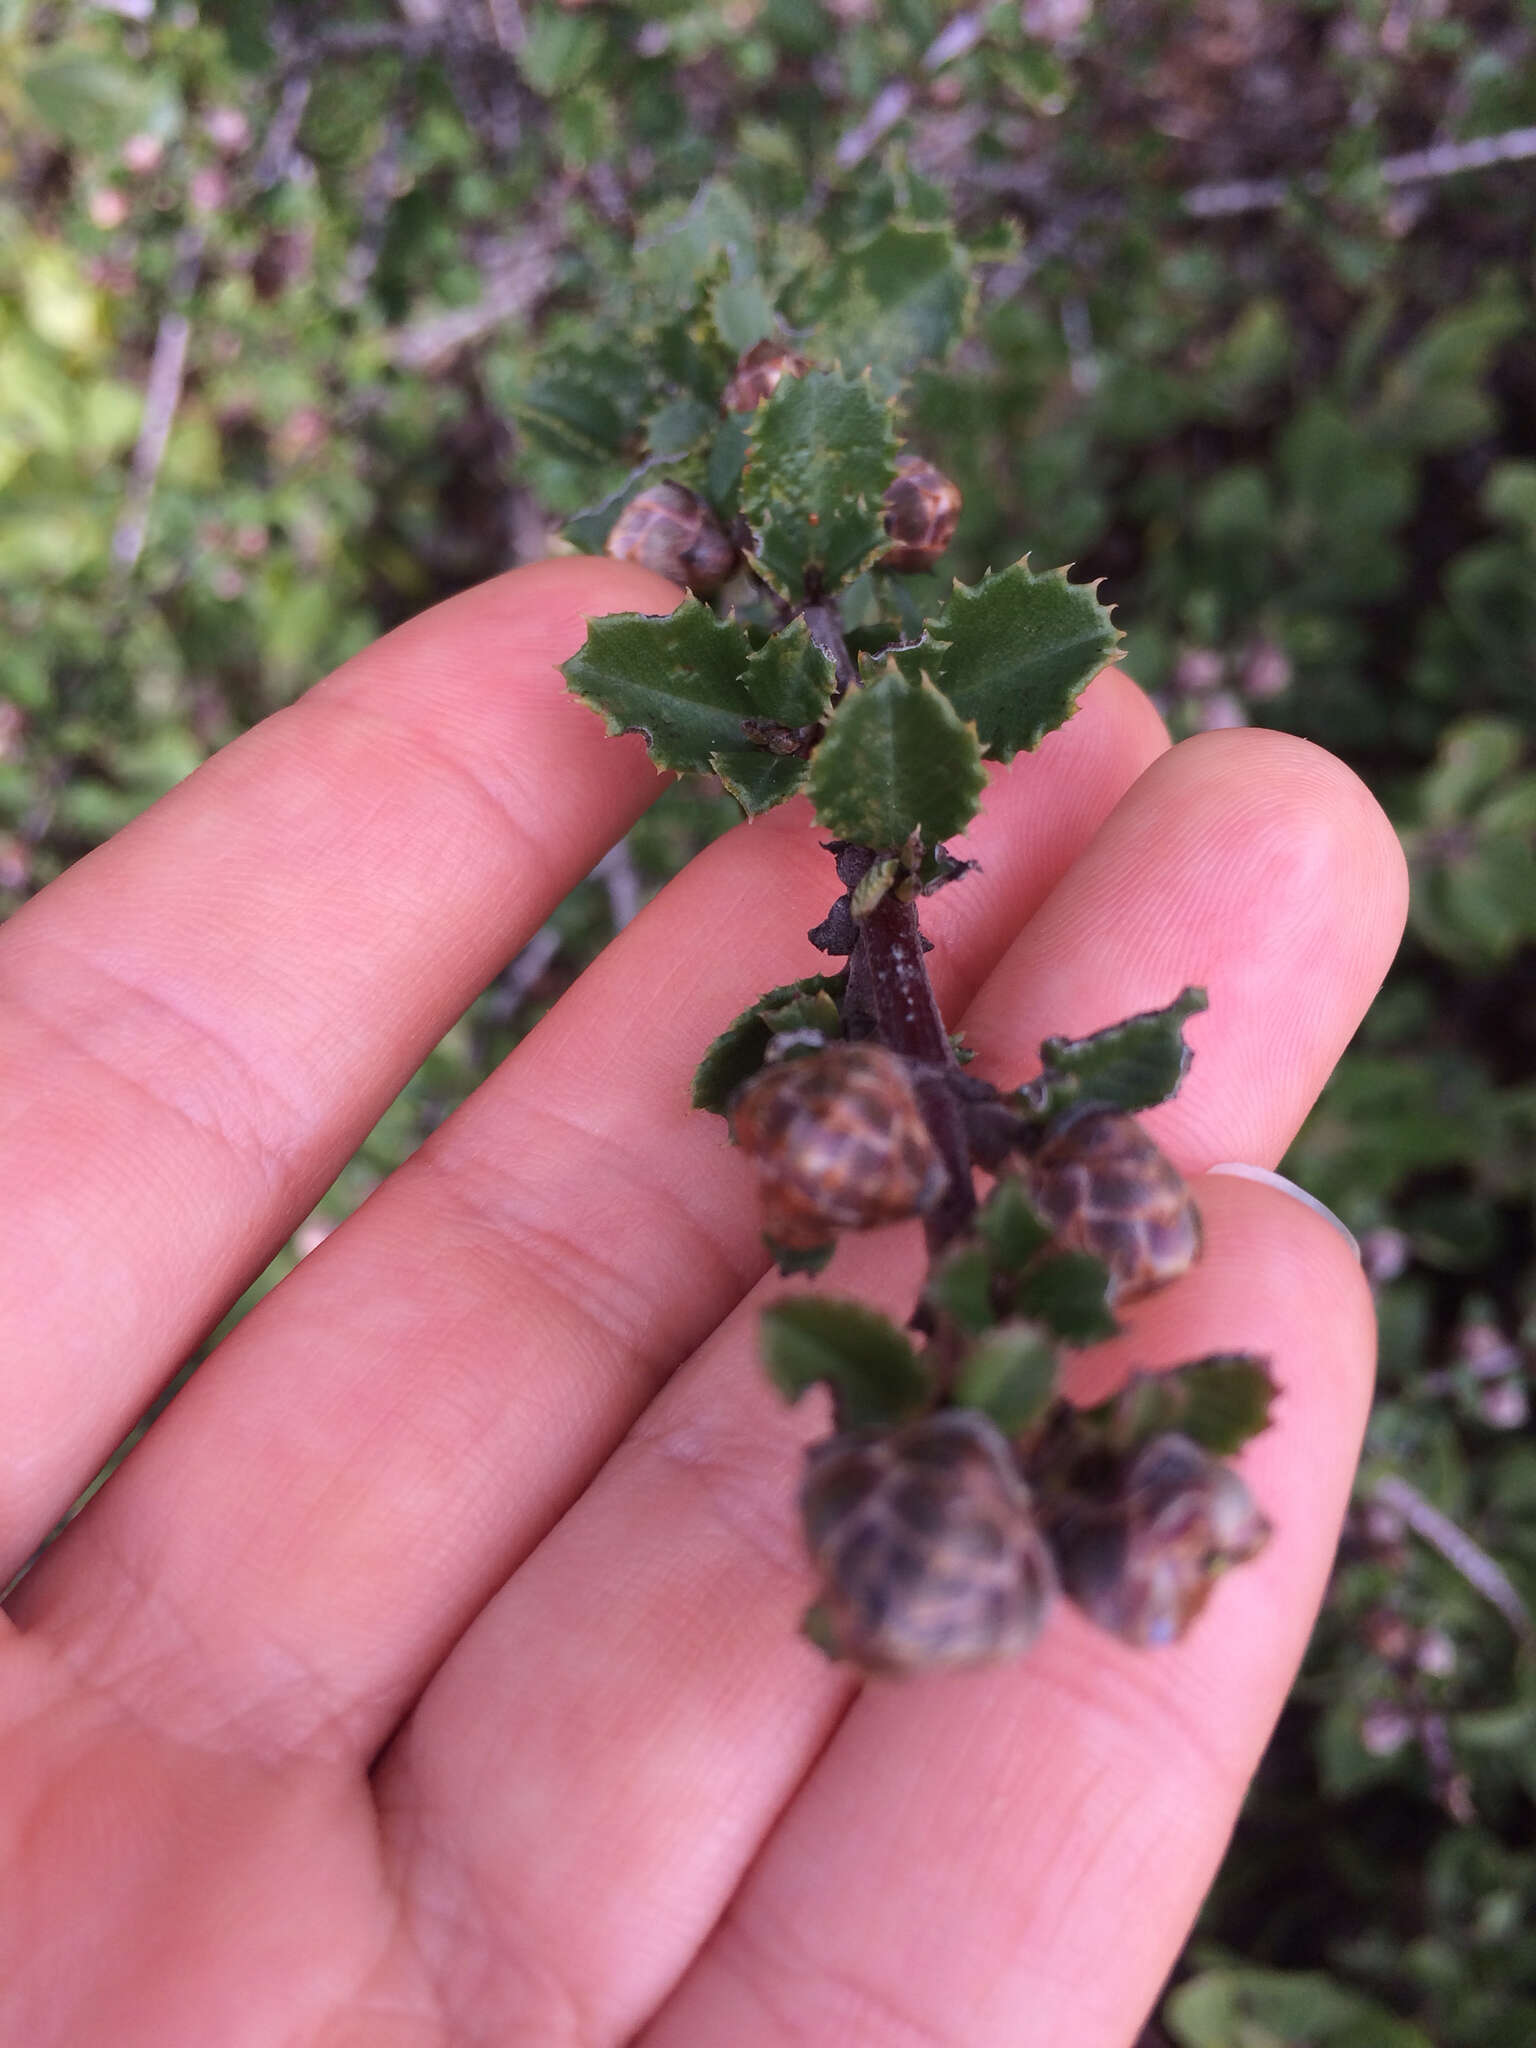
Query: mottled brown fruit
point(922, 506)
point(1105, 1188)
point(759, 373)
point(927, 1546)
point(839, 1144)
point(672, 530)
point(1142, 1562)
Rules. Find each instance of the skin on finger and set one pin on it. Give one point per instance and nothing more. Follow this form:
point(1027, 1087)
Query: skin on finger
point(376, 1446)
point(682, 1562)
point(1010, 1858)
point(201, 1021)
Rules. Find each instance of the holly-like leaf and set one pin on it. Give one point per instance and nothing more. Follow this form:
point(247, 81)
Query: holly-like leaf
point(896, 759)
point(739, 1051)
point(757, 778)
point(1129, 1066)
point(790, 678)
point(1010, 1374)
point(1069, 1293)
point(689, 681)
point(1018, 650)
point(1219, 1402)
point(876, 1378)
point(822, 451)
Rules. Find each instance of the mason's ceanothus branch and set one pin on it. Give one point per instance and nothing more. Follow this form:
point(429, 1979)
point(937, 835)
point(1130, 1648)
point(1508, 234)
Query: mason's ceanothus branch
point(961, 1490)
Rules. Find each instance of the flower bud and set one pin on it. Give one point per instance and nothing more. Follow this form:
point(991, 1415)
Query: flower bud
point(927, 1545)
point(759, 373)
point(672, 531)
point(1106, 1188)
point(1140, 1560)
point(839, 1143)
point(922, 507)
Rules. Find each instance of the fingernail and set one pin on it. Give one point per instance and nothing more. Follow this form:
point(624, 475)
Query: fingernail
point(1240, 1170)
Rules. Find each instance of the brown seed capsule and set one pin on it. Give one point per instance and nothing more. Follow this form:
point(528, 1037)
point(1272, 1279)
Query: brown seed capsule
point(927, 1545)
point(839, 1143)
point(1142, 1562)
point(1108, 1190)
point(921, 509)
point(758, 375)
point(671, 530)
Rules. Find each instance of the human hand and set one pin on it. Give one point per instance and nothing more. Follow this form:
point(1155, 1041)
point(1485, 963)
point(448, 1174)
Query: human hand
point(429, 1675)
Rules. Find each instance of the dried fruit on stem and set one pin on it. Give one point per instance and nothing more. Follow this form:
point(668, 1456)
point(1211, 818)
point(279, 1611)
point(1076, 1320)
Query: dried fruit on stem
point(922, 509)
point(1106, 1188)
point(927, 1546)
point(839, 1142)
point(672, 531)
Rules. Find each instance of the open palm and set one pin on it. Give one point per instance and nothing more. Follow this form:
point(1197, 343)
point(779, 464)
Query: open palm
point(429, 1674)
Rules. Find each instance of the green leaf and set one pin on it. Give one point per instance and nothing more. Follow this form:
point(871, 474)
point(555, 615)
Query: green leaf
point(790, 679)
point(896, 759)
point(737, 1054)
point(558, 50)
point(901, 298)
point(727, 458)
point(689, 682)
point(757, 778)
point(1010, 1374)
point(961, 1285)
point(1249, 2008)
point(1128, 1066)
point(876, 1377)
point(95, 104)
point(796, 1258)
point(679, 425)
point(743, 313)
point(822, 451)
point(1069, 1293)
point(1220, 1402)
point(1012, 1228)
point(1018, 652)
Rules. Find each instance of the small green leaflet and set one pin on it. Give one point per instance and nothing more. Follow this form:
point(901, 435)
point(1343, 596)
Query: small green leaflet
point(1069, 1292)
point(687, 681)
point(876, 1377)
point(1018, 652)
point(1010, 1375)
point(1219, 1402)
point(1129, 1066)
point(822, 450)
point(896, 759)
point(738, 1053)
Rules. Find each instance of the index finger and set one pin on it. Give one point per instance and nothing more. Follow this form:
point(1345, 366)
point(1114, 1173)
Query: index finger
point(201, 1020)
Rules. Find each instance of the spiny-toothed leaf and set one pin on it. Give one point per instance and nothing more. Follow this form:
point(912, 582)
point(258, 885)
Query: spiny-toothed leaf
point(1018, 652)
point(739, 1051)
point(1220, 1402)
point(960, 1283)
point(1069, 1293)
point(689, 681)
point(1010, 1374)
point(900, 298)
point(1129, 1066)
point(896, 759)
point(1012, 1228)
point(676, 249)
point(875, 1376)
point(790, 678)
point(822, 451)
point(757, 778)
point(799, 1258)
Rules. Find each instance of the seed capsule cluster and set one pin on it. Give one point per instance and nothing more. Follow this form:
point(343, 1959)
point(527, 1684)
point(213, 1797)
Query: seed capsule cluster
point(927, 1547)
point(839, 1143)
point(672, 531)
point(922, 509)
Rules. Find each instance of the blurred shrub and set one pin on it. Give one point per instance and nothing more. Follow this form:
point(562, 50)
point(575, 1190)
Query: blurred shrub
point(299, 319)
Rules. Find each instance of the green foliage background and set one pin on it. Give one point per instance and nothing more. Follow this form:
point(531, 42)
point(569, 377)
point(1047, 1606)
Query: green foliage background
point(392, 253)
